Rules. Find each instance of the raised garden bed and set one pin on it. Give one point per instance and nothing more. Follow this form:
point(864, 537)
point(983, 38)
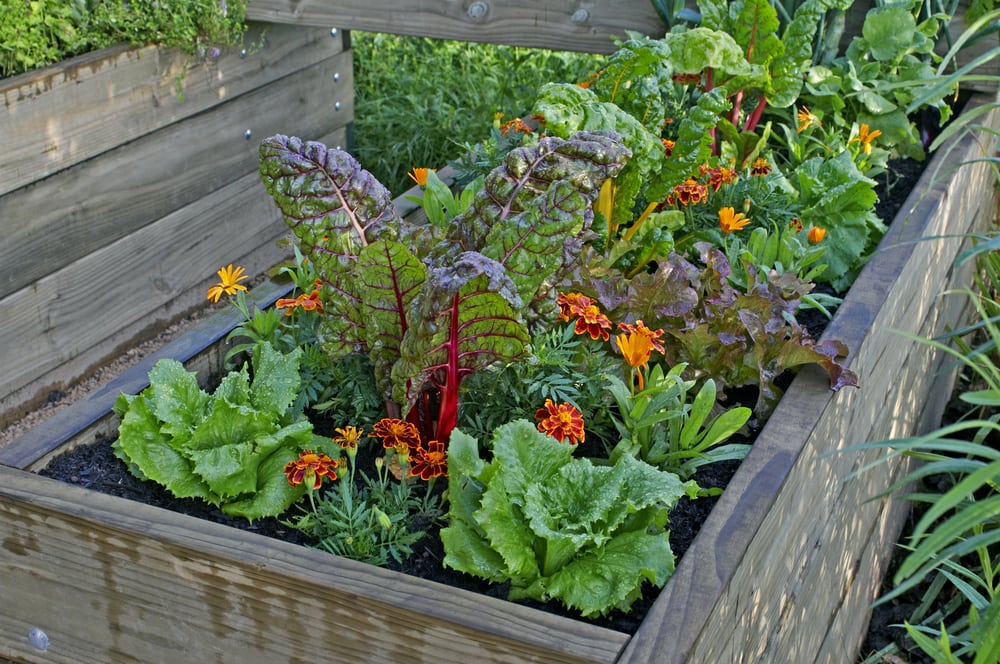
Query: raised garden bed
point(784, 569)
point(126, 173)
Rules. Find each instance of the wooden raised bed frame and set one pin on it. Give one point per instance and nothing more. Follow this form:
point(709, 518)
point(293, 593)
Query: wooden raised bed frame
point(783, 570)
point(128, 174)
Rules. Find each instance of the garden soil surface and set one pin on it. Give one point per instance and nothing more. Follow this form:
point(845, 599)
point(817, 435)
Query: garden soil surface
point(95, 467)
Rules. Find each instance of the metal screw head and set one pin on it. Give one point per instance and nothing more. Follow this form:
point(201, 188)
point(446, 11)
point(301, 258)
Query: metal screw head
point(478, 9)
point(336, 76)
point(38, 638)
point(336, 106)
point(580, 16)
point(243, 53)
point(247, 134)
point(333, 32)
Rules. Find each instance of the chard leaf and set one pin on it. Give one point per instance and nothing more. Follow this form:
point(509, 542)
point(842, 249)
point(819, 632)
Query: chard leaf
point(390, 277)
point(176, 398)
point(584, 160)
point(147, 448)
point(464, 318)
point(333, 206)
point(612, 576)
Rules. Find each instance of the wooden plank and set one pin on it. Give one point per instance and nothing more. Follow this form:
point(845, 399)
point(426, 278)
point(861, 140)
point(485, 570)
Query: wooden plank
point(762, 518)
point(567, 25)
point(59, 116)
point(238, 223)
point(201, 349)
point(81, 209)
point(110, 580)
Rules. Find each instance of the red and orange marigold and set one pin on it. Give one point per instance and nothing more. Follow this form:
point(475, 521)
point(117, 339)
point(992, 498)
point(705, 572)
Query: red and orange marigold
point(428, 462)
point(396, 433)
point(562, 421)
point(310, 468)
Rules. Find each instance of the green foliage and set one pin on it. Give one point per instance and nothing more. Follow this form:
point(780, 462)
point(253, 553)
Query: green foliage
point(953, 551)
point(662, 427)
point(736, 337)
point(432, 304)
point(227, 448)
point(557, 527)
point(884, 70)
point(371, 521)
point(35, 33)
point(419, 100)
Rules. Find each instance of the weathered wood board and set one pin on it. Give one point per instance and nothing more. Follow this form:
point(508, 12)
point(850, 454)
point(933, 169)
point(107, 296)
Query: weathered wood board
point(61, 115)
point(123, 233)
point(566, 25)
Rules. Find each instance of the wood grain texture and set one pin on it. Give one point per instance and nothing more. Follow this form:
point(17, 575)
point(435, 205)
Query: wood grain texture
point(790, 548)
point(81, 209)
point(56, 117)
point(109, 580)
point(567, 25)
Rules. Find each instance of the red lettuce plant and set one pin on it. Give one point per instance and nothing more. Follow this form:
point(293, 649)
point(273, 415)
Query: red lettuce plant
point(431, 304)
point(737, 337)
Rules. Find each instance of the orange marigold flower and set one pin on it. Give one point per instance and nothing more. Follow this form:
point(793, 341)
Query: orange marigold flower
point(593, 322)
point(229, 282)
point(419, 175)
point(865, 137)
point(310, 468)
point(561, 421)
point(348, 437)
point(570, 304)
point(429, 462)
point(635, 348)
point(760, 166)
point(654, 336)
point(730, 220)
point(807, 119)
point(816, 234)
point(795, 224)
point(395, 432)
point(517, 124)
point(307, 301)
point(668, 146)
point(689, 192)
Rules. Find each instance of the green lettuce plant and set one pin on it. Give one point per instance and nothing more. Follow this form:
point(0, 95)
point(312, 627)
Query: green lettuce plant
point(555, 526)
point(431, 304)
point(229, 447)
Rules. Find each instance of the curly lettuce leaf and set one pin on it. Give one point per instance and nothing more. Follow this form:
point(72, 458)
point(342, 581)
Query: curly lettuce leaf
point(556, 527)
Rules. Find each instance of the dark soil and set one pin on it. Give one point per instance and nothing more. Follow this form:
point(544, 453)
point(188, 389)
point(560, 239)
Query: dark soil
point(95, 467)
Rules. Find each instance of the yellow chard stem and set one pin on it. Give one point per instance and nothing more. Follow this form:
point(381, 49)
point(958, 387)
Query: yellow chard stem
point(638, 222)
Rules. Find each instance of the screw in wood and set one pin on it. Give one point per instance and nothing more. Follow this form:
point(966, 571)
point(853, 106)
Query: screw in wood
point(336, 106)
point(478, 9)
point(333, 32)
point(38, 638)
point(247, 134)
point(580, 16)
point(336, 76)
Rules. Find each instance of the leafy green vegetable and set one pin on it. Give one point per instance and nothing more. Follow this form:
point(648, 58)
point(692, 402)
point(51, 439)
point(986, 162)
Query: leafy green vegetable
point(557, 527)
point(227, 448)
point(432, 303)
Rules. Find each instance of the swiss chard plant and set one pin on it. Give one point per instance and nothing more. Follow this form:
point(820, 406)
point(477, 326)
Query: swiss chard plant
point(432, 303)
point(227, 448)
point(555, 526)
